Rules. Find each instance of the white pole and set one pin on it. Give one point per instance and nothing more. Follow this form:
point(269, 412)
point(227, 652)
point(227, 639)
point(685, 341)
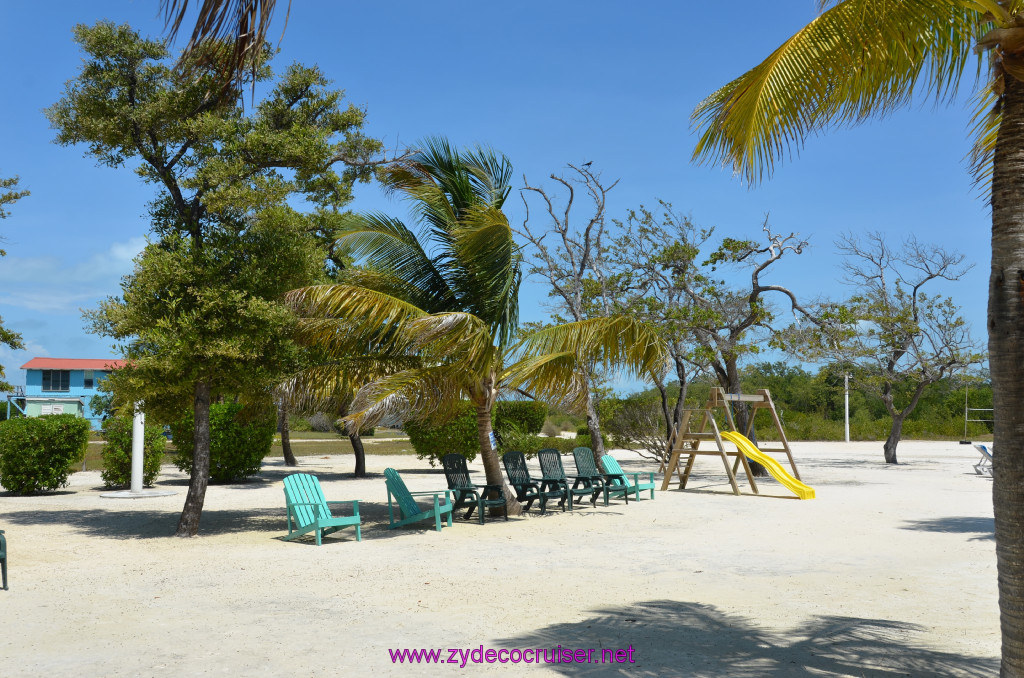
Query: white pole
point(138, 441)
point(846, 403)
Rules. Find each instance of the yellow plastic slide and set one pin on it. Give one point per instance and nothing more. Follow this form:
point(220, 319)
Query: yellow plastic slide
point(744, 445)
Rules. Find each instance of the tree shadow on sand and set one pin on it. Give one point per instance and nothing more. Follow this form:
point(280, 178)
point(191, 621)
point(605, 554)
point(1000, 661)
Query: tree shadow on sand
point(983, 528)
point(672, 638)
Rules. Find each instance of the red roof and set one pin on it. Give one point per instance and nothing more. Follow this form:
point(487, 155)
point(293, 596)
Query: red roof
point(72, 364)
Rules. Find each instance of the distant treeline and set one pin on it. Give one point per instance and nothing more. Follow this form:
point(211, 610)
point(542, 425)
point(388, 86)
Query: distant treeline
point(810, 405)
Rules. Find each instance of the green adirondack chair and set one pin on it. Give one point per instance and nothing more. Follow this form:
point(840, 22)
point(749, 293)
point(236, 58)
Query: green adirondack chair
point(622, 484)
point(528, 489)
point(410, 510)
point(554, 476)
point(588, 475)
point(481, 497)
point(309, 511)
point(3, 558)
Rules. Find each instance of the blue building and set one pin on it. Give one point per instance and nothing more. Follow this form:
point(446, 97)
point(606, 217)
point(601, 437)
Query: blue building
point(62, 386)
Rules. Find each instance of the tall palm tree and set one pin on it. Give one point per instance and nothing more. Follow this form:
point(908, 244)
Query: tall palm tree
point(863, 58)
point(436, 327)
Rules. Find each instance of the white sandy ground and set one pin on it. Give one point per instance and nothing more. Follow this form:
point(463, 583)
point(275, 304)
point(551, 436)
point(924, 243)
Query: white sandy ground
point(889, 572)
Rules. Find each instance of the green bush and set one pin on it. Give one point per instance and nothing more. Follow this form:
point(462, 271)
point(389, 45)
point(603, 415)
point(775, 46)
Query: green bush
point(239, 439)
point(117, 452)
point(37, 453)
point(459, 434)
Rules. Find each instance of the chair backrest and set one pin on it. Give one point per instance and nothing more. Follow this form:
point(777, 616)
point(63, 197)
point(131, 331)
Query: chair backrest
point(515, 468)
point(611, 465)
point(984, 450)
point(551, 463)
point(304, 488)
point(401, 493)
point(584, 459)
point(456, 472)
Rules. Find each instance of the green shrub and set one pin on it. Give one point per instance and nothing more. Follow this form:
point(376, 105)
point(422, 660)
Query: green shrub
point(297, 423)
point(117, 452)
point(459, 434)
point(239, 439)
point(37, 453)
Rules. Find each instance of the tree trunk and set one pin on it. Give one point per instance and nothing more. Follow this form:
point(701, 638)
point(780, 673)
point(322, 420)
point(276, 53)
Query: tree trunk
point(188, 524)
point(286, 439)
point(357, 447)
point(594, 426)
point(895, 431)
point(1006, 359)
point(492, 469)
point(741, 414)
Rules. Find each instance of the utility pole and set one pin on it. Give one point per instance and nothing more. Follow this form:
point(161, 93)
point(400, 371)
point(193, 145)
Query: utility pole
point(846, 403)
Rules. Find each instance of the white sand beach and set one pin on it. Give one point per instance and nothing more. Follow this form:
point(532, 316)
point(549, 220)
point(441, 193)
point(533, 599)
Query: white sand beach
point(889, 571)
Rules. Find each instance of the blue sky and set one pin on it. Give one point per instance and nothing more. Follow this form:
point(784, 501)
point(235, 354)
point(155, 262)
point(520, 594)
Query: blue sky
point(544, 82)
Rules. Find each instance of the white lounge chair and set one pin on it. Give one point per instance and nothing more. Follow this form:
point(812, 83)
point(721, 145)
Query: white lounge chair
point(984, 464)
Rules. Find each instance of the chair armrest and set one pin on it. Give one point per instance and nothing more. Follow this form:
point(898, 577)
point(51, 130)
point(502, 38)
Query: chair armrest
point(428, 493)
point(345, 501)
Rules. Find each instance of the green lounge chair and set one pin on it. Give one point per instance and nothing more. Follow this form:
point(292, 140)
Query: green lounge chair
point(623, 485)
point(528, 489)
point(410, 510)
point(554, 476)
point(3, 558)
point(308, 511)
point(466, 493)
point(588, 475)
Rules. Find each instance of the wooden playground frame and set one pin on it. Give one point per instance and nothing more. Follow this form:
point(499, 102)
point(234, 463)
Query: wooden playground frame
point(688, 442)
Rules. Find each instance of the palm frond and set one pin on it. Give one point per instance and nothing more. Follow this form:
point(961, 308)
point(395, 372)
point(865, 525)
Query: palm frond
point(556, 378)
point(453, 338)
point(984, 130)
point(427, 392)
point(859, 58)
point(242, 23)
point(617, 341)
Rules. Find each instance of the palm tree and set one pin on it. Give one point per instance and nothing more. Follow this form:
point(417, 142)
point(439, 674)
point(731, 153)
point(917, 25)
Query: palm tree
point(435, 328)
point(863, 58)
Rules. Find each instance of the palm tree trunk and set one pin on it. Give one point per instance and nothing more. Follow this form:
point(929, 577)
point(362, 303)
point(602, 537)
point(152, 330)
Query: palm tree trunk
point(286, 439)
point(357, 447)
point(492, 468)
point(1006, 359)
point(594, 426)
point(188, 524)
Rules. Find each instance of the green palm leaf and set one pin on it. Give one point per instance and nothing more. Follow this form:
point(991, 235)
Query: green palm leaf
point(857, 59)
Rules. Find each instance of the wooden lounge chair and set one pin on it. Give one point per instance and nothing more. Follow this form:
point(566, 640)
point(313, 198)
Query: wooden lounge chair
point(984, 464)
point(554, 476)
point(411, 511)
point(308, 511)
point(466, 493)
point(622, 483)
point(589, 476)
point(3, 558)
point(526, 488)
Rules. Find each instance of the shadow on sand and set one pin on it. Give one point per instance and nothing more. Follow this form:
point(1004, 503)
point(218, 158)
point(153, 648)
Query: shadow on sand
point(673, 638)
point(982, 528)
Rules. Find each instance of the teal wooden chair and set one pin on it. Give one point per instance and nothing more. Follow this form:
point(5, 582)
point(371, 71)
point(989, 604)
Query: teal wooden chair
point(481, 497)
point(588, 475)
point(3, 558)
point(622, 484)
point(309, 511)
point(411, 511)
point(554, 476)
point(527, 489)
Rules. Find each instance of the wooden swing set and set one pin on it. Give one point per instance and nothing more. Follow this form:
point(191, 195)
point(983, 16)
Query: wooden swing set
point(687, 441)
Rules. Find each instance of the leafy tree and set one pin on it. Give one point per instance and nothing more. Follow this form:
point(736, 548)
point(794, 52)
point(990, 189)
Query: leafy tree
point(201, 314)
point(864, 58)
point(569, 253)
point(9, 193)
point(665, 274)
point(903, 339)
point(440, 326)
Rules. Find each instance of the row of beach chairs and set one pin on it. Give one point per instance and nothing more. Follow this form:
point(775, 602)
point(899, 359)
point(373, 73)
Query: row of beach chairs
point(309, 511)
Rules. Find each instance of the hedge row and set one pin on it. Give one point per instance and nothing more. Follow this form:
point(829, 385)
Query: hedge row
point(36, 453)
point(459, 434)
point(239, 439)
